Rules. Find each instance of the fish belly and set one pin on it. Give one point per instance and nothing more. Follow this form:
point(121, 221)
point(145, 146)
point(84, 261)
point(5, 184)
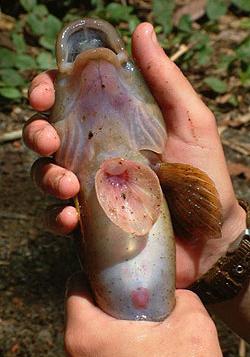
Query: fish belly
point(140, 287)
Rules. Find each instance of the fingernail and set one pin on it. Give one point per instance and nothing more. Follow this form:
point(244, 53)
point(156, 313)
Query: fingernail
point(154, 37)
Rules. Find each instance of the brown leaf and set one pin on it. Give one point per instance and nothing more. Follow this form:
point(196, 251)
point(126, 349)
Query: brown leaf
point(195, 9)
point(6, 22)
point(236, 169)
point(15, 348)
point(242, 148)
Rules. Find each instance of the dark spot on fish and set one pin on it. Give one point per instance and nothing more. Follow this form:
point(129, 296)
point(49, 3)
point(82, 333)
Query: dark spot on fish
point(149, 66)
point(123, 207)
point(90, 136)
point(123, 195)
point(84, 117)
point(103, 85)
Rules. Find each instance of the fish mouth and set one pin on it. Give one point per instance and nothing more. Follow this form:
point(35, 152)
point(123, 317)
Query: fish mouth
point(89, 39)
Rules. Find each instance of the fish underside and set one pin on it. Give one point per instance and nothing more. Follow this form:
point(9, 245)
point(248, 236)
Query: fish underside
point(112, 137)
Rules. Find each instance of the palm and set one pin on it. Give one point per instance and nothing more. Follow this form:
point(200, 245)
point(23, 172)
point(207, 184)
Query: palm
point(191, 259)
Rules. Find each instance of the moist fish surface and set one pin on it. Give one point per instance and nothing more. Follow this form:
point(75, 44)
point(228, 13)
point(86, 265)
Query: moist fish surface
point(112, 137)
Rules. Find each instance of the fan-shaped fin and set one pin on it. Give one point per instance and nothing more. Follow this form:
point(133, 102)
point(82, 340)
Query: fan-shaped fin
point(130, 194)
point(193, 201)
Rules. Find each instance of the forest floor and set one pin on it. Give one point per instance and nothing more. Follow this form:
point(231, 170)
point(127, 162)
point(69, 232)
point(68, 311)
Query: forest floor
point(34, 264)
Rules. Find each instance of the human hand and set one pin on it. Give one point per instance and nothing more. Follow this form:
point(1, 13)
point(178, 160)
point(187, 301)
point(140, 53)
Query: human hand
point(188, 331)
point(192, 139)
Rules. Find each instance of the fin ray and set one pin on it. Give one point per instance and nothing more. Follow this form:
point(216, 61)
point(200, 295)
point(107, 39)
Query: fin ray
point(193, 201)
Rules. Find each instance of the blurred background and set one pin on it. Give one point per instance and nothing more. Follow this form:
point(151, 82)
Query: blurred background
point(209, 40)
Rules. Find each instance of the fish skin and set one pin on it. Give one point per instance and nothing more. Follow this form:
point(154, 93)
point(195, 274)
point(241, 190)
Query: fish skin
point(104, 110)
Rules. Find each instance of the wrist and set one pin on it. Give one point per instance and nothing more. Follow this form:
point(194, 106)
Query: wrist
point(227, 277)
point(234, 224)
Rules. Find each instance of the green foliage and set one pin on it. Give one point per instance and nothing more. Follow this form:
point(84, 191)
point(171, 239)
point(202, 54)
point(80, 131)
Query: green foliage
point(163, 14)
point(18, 42)
point(245, 23)
point(34, 35)
point(52, 26)
point(10, 93)
point(225, 61)
point(245, 76)
point(98, 4)
point(16, 65)
point(242, 4)
point(243, 51)
point(116, 12)
point(11, 77)
point(28, 5)
point(216, 8)
point(24, 62)
point(185, 24)
point(7, 58)
point(45, 60)
point(216, 84)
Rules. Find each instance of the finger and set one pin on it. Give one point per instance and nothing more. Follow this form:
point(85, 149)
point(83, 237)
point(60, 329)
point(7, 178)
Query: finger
point(183, 109)
point(61, 220)
point(80, 307)
point(40, 136)
point(54, 179)
point(187, 301)
point(41, 92)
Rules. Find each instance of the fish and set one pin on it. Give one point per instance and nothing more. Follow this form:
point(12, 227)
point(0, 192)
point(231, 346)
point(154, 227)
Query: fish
point(131, 202)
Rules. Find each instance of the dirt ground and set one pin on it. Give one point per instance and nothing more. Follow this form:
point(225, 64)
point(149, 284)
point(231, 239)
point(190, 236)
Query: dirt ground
point(34, 264)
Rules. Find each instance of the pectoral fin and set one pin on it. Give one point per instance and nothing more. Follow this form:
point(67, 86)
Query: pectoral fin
point(130, 194)
point(193, 201)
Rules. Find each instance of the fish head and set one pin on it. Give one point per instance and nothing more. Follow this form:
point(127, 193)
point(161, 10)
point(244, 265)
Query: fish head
point(97, 80)
point(93, 43)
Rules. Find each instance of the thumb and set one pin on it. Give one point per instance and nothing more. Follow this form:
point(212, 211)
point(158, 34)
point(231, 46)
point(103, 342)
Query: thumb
point(178, 100)
point(80, 307)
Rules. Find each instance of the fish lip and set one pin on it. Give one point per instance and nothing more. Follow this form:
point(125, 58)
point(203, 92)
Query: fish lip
point(108, 35)
point(85, 57)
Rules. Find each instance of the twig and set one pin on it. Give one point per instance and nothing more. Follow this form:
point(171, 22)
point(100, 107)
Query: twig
point(11, 215)
point(243, 119)
point(12, 135)
point(236, 147)
point(242, 348)
point(182, 49)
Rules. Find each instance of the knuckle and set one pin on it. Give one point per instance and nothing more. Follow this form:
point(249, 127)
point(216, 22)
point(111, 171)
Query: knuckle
point(189, 296)
point(38, 168)
point(202, 329)
point(76, 346)
point(72, 346)
point(210, 118)
point(84, 344)
point(203, 320)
